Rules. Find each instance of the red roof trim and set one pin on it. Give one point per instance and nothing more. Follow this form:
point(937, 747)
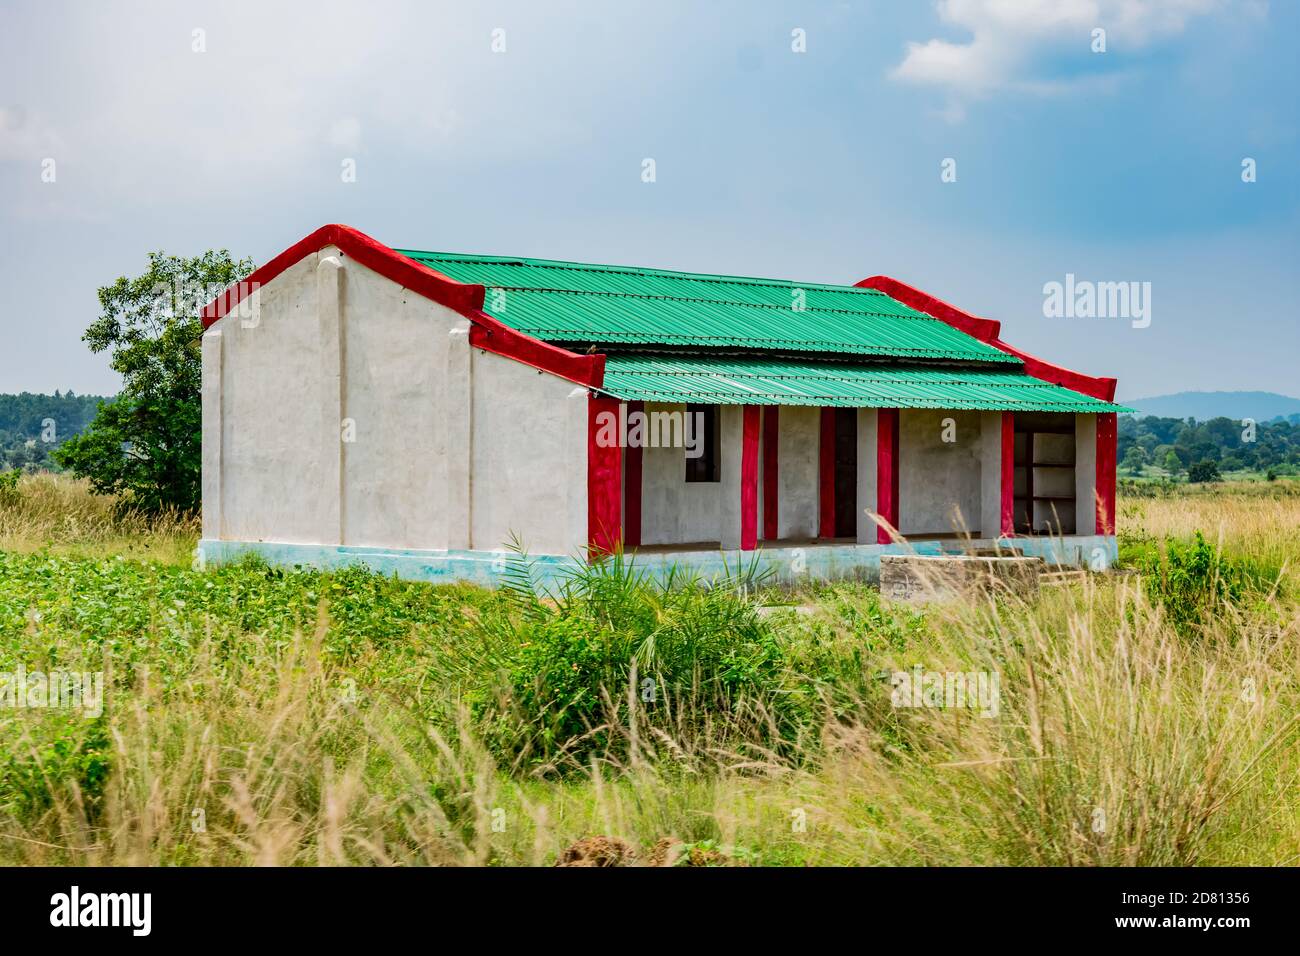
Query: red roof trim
point(988, 331)
point(460, 296)
point(466, 298)
point(491, 335)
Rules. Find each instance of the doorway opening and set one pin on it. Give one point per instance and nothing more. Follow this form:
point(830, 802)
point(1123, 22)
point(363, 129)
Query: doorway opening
point(846, 472)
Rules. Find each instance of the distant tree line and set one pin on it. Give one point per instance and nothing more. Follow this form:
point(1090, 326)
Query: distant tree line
point(1203, 451)
point(33, 425)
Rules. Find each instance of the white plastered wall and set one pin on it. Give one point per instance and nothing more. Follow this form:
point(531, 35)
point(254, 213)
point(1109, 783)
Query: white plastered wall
point(1085, 474)
point(340, 408)
point(798, 442)
point(990, 444)
point(529, 458)
point(261, 450)
point(673, 510)
point(935, 475)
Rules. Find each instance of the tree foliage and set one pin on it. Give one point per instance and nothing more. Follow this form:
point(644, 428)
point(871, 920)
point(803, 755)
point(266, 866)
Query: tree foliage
point(1179, 444)
point(32, 426)
point(145, 445)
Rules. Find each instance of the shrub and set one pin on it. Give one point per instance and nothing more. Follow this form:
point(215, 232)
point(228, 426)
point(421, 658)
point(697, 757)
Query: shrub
point(9, 486)
point(574, 672)
point(1204, 470)
point(75, 756)
point(1146, 488)
point(1193, 579)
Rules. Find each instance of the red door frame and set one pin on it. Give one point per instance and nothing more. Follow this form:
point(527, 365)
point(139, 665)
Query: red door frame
point(887, 471)
point(604, 482)
point(1107, 449)
point(749, 477)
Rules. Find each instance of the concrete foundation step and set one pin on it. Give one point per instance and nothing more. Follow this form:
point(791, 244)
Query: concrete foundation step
point(921, 578)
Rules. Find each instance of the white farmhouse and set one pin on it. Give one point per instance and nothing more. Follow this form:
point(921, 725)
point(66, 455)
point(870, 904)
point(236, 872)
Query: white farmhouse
point(418, 411)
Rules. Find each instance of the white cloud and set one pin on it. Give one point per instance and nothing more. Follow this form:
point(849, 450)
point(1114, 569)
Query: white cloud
point(1012, 41)
point(120, 97)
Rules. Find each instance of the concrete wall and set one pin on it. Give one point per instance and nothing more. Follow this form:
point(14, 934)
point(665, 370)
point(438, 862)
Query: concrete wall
point(731, 435)
point(1085, 474)
point(394, 390)
point(342, 409)
point(798, 441)
point(990, 513)
point(934, 474)
point(674, 511)
point(262, 451)
point(791, 565)
point(529, 460)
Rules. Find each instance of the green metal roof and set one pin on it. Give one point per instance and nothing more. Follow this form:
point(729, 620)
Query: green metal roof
point(696, 315)
point(582, 304)
point(723, 381)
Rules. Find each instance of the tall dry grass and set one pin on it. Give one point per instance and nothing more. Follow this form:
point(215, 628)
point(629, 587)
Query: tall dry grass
point(58, 513)
point(1257, 520)
point(1118, 741)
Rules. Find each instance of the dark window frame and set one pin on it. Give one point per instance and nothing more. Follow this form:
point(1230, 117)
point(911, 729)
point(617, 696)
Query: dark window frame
point(708, 467)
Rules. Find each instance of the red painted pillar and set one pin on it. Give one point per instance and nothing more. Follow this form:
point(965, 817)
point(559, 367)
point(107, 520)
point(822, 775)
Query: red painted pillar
point(1107, 449)
point(604, 475)
point(632, 486)
point(1008, 474)
point(771, 438)
point(749, 478)
point(886, 471)
point(826, 475)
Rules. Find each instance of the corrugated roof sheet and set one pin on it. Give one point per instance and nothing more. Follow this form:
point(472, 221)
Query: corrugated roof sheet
point(722, 381)
point(566, 302)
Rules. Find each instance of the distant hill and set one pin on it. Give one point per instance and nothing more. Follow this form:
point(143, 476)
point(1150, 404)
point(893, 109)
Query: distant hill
point(1261, 406)
point(33, 425)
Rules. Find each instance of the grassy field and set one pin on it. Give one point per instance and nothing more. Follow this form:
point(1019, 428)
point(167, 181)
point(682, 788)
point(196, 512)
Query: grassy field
point(261, 716)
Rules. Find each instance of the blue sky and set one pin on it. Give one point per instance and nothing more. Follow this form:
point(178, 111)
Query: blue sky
point(821, 166)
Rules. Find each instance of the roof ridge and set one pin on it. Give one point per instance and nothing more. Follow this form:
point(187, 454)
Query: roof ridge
point(848, 372)
point(895, 350)
point(910, 312)
point(572, 265)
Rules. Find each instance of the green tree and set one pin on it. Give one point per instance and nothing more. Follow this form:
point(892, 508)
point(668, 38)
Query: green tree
point(1207, 469)
point(145, 444)
point(1173, 464)
point(1134, 459)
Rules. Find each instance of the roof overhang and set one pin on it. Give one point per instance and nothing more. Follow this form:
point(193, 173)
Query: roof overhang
point(724, 380)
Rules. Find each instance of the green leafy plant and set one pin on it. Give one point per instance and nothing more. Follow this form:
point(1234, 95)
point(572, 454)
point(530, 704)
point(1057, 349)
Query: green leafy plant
point(571, 671)
point(9, 486)
point(76, 755)
point(1191, 579)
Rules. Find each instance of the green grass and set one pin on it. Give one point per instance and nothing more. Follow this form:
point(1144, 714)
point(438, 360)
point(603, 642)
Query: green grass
point(259, 715)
